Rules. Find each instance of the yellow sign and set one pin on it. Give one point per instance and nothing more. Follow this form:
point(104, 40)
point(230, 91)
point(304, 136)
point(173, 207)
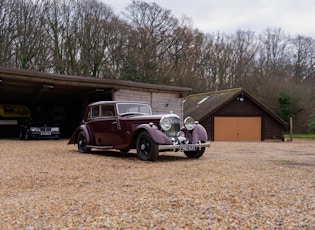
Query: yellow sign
point(14, 111)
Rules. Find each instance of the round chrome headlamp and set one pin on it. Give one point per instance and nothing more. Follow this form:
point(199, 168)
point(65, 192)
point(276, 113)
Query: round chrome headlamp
point(189, 123)
point(165, 123)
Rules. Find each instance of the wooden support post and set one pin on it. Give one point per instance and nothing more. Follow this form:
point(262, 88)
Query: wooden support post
point(291, 128)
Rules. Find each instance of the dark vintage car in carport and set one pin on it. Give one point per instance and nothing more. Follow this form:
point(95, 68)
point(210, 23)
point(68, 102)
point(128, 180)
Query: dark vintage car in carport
point(131, 125)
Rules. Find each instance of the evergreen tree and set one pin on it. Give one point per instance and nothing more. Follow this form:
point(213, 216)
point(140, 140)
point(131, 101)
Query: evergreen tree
point(285, 110)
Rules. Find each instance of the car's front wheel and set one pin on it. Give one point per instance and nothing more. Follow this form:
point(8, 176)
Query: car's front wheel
point(147, 149)
point(82, 143)
point(195, 154)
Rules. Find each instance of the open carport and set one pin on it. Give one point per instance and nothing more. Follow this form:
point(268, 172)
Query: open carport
point(61, 99)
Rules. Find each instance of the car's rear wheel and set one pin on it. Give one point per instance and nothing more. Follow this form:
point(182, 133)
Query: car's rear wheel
point(82, 143)
point(147, 149)
point(195, 154)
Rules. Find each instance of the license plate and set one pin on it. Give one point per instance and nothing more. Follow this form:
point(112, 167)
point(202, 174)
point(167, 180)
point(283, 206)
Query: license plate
point(45, 133)
point(188, 147)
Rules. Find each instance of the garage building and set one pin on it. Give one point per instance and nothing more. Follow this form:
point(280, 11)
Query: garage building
point(62, 99)
point(234, 115)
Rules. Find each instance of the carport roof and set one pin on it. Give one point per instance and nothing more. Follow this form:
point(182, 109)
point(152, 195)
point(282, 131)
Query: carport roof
point(24, 86)
point(201, 105)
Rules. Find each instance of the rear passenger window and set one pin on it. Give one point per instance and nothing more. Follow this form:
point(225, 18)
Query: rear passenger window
point(95, 111)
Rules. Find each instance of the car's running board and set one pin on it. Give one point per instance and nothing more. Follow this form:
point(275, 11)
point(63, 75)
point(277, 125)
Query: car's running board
point(100, 146)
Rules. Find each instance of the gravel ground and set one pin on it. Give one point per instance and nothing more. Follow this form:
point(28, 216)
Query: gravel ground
point(47, 184)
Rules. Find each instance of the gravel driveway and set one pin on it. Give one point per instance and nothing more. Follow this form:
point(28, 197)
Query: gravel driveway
point(47, 184)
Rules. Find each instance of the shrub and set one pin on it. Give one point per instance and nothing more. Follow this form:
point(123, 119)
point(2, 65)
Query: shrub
point(311, 124)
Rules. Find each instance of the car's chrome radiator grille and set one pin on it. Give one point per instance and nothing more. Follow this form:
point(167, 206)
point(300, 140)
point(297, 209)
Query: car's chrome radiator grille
point(45, 129)
point(175, 127)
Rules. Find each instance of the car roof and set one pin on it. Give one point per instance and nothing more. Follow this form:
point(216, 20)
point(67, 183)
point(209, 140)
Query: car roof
point(115, 102)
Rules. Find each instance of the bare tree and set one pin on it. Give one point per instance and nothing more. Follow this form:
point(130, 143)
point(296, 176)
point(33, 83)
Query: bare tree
point(217, 60)
point(272, 63)
point(183, 57)
point(92, 20)
point(29, 35)
point(58, 16)
point(303, 58)
point(116, 50)
point(273, 56)
point(244, 71)
point(7, 36)
point(149, 40)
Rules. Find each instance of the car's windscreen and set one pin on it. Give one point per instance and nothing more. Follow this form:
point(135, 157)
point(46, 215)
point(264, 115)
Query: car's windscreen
point(127, 108)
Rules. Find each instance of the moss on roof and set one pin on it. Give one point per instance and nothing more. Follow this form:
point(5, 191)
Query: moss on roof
point(199, 105)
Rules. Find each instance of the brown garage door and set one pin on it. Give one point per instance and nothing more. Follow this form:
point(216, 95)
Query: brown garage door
point(237, 128)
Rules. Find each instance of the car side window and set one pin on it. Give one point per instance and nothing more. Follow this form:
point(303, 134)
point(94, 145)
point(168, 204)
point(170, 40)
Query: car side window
point(107, 110)
point(95, 111)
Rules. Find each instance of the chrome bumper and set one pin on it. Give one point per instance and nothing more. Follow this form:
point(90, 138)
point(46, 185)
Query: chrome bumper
point(198, 145)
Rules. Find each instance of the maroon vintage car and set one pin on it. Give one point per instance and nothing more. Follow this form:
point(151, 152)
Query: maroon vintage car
point(131, 125)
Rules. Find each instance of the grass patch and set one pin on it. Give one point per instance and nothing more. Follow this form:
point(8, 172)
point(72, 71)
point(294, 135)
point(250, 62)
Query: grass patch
point(302, 136)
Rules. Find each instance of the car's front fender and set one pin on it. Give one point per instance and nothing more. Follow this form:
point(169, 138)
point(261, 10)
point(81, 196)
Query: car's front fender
point(199, 133)
point(157, 135)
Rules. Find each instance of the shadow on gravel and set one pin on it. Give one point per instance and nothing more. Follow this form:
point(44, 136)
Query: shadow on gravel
point(115, 154)
point(168, 158)
point(133, 156)
point(295, 163)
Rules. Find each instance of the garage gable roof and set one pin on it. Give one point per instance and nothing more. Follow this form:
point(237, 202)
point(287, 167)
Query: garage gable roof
point(201, 105)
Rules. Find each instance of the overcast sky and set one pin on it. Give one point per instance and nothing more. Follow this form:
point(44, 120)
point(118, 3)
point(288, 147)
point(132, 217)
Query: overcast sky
point(211, 16)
